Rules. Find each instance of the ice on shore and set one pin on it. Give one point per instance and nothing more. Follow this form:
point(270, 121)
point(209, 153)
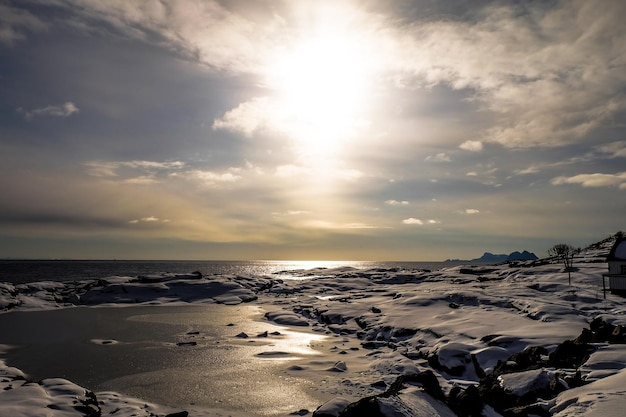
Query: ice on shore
point(461, 322)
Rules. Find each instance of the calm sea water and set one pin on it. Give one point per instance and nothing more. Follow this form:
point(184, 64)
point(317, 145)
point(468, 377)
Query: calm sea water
point(22, 271)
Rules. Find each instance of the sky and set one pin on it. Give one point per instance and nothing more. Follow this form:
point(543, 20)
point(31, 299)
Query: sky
point(340, 130)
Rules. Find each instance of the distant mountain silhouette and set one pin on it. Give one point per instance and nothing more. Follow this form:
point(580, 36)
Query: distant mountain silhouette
point(524, 256)
point(489, 257)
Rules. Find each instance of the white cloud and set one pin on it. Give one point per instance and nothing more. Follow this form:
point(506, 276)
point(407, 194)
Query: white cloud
point(323, 224)
point(413, 221)
point(549, 76)
point(433, 221)
point(149, 219)
point(397, 203)
point(247, 117)
point(472, 146)
point(203, 30)
point(211, 178)
point(529, 170)
point(471, 211)
point(297, 212)
point(141, 180)
point(147, 169)
point(594, 180)
point(614, 149)
point(549, 71)
point(102, 169)
point(440, 157)
point(153, 164)
point(62, 110)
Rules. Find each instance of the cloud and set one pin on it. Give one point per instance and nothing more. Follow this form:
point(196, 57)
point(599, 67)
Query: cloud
point(149, 219)
point(141, 172)
point(102, 169)
point(137, 170)
point(212, 178)
point(412, 220)
point(291, 213)
point(594, 180)
point(549, 72)
point(470, 211)
point(614, 149)
point(324, 224)
point(396, 203)
point(247, 117)
point(62, 110)
point(472, 146)
point(550, 77)
point(440, 157)
point(204, 31)
point(142, 180)
point(14, 22)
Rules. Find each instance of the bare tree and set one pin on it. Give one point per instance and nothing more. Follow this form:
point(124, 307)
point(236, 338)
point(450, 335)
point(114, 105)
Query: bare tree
point(565, 253)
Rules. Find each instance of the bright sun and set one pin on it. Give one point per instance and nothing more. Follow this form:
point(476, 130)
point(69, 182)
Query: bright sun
point(321, 85)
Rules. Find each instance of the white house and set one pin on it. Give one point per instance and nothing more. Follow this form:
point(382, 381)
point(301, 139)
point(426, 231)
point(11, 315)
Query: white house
point(617, 266)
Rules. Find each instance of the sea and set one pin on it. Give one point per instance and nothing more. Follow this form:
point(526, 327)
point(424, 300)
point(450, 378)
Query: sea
point(25, 271)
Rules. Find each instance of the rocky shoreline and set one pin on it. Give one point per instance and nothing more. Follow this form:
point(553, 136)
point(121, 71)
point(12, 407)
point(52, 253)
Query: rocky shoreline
point(505, 340)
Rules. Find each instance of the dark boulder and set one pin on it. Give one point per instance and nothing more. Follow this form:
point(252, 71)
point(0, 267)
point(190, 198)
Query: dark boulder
point(570, 355)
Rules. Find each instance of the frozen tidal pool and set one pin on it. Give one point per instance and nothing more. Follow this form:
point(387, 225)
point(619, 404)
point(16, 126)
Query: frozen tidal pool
point(191, 357)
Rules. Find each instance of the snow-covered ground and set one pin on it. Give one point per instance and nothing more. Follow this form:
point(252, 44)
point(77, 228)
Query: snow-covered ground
point(464, 324)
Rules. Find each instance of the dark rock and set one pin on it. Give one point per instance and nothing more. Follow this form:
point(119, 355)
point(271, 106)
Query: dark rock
point(607, 332)
point(367, 406)
point(586, 336)
point(426, 379)
point(89, 405)
point(527, 410)
point(570, 355)
point(529, 358)
point(466, 403)
point(379, 385)
point(178, 414)
point(401, 333)
point(360, 321)
point(393, 404)
point(478, 271)
point(575, 381)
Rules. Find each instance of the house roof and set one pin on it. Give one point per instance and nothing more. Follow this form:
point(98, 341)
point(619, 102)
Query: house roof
point(618, 251)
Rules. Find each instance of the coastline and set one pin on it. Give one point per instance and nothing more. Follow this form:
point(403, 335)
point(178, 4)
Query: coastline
point(459, 325)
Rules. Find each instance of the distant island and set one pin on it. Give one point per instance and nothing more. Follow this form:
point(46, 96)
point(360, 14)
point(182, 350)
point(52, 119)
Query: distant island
point(489, 257)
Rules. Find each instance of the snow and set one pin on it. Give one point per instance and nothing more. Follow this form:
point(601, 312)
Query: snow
point(460, 322)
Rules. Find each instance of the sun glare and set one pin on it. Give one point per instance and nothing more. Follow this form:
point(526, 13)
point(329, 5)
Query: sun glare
point(321, 83)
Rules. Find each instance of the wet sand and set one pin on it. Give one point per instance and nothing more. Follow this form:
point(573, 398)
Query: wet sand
point(189, 357)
